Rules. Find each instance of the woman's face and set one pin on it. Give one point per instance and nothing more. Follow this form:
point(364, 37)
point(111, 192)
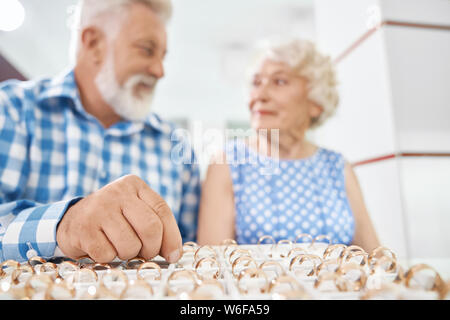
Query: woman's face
point(278, 99)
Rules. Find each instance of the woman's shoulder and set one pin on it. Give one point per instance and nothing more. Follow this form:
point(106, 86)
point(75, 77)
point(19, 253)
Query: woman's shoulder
point(331, 157)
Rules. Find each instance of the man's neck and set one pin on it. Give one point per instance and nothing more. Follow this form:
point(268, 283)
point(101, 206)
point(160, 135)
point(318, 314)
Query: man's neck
point(92, 101)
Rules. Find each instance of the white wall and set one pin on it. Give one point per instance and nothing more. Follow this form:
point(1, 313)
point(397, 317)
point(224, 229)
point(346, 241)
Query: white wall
point(395, 98)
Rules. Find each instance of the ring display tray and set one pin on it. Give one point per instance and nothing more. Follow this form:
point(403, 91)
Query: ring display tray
point(315, 269)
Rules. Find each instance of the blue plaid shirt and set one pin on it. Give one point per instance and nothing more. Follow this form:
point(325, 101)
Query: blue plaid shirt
point(52, 153)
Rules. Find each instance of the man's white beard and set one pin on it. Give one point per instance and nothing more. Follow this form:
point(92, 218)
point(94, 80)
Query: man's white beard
point(122, 98)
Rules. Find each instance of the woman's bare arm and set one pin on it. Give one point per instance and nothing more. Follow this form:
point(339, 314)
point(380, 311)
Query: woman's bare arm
point(365, 235)
point(217, 209)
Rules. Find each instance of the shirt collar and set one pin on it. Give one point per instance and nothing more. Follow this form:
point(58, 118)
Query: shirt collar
point(65, 86)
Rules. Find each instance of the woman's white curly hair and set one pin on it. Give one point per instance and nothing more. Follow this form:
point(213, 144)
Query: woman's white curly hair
point(304, 58)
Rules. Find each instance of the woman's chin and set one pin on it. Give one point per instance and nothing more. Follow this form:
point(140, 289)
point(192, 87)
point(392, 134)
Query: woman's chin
point(259, 126)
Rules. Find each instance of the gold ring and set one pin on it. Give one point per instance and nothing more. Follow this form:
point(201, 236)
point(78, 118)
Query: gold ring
point(85, 261)
point(445, 291)
point(66, 266)
point(37, 283)
point(36, 260)
point(242, 252)
point(83, 275)
point(301, 258)
point(383, 289)
point(56, 288)
point(304, 235)
point(279, 268)
point(246, 260)
point(253, 273)
point(327, 263)
point(112, 277)
point(229, 247)
point(267, 237)
point(189, 247)
point(94, 292)
point(8, 263)
point(322, 237)
point(295, 250)
point(177, 274)
point(212, 261)
point(297, 290)
point(101, 266)
point(352, 254)
point(199, 292)
point(351, 249)
point(131, 264)
point(358, 284)
point(203, 248)
point(148, 265)
point(329, 251)
point(392, 267)
point(141, 285)
point(381, 250)
point(47, 267)
point(227, 242)
point(283, 242)
point(19, 271)
point(340, 283)
point(437, 283)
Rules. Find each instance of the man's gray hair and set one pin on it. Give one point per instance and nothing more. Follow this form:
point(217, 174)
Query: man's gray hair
point(106, 14)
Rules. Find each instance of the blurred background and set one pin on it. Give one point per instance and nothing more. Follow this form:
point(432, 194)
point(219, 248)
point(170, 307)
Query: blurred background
point(393, 65)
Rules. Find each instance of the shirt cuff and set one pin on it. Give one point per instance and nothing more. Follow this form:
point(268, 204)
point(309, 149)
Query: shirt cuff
point(33, 231)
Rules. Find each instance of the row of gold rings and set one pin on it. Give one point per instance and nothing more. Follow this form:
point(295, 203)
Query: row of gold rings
point(312, 240)
point(245, 262)
point(341, 281)
point(373, 261)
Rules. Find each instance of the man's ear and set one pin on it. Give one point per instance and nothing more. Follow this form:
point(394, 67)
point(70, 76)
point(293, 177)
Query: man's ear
point(94, 44)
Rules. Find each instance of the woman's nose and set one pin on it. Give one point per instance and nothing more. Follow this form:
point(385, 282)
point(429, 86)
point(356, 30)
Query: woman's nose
point(259, 94)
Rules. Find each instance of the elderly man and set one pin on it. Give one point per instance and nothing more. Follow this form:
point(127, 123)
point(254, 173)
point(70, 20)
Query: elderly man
point(85, 167)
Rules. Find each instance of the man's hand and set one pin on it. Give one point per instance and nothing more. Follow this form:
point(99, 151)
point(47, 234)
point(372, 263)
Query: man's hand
point(124, 219)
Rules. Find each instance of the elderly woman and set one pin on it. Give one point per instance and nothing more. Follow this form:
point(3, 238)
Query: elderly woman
point(314, 190)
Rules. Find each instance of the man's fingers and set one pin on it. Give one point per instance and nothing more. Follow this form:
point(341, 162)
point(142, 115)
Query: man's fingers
point(122, 236)
point(171, 245)
point(98, 247)
point(147, 225)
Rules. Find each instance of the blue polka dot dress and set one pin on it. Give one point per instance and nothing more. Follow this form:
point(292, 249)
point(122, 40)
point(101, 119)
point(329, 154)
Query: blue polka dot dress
point(284, 198)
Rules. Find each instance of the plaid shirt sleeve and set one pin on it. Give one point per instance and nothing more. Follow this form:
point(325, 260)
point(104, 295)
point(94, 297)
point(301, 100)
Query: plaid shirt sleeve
point(27, 228)
point(190, 200)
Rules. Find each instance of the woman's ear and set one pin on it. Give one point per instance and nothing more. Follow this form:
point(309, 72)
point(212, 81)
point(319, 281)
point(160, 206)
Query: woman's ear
point(315, 110)
point(94, 45)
